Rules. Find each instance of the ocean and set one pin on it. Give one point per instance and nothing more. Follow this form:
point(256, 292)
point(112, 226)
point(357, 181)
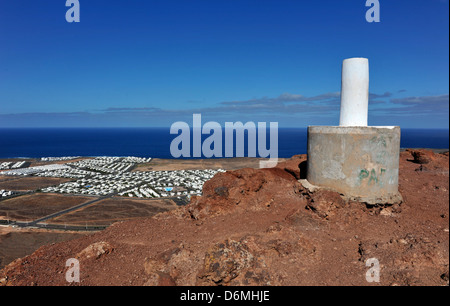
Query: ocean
point(155, 142)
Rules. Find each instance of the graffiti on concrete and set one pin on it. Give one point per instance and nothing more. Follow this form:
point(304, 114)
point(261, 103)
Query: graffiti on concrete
point(372, 176)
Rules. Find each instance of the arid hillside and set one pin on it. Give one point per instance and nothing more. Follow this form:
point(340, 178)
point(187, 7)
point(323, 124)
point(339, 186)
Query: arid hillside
point(262, 227)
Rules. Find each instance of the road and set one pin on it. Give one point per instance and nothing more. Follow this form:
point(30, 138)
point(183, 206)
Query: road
point(35, 223)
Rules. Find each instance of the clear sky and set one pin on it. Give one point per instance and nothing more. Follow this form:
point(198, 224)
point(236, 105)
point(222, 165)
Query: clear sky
point(136, 63)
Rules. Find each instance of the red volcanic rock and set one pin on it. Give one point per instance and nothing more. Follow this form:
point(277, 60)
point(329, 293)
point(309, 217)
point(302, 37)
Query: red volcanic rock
point(324, 202)
point(296, 166)
point(225, 261)
point(423, 156)
point(95, 250)
point(249, 189)
point(261, 227)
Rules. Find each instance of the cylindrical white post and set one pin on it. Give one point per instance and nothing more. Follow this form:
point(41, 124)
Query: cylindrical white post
point(355, 92)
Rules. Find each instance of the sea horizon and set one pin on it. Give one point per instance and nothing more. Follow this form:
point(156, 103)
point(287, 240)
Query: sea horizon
point(23, 142)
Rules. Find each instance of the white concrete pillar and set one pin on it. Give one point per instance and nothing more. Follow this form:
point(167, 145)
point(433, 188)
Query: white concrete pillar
point(354, 92)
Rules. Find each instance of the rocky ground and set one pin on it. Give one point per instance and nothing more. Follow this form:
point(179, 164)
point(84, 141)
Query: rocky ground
point(262, 227)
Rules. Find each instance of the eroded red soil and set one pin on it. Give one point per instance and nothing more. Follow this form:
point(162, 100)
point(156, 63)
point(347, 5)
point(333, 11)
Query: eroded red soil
point(261, 227)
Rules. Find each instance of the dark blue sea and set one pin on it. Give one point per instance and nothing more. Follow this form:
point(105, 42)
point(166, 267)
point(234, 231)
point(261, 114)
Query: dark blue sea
point(155, 142)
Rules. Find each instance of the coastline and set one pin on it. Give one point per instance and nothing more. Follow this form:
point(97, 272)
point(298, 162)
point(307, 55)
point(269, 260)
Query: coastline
point(402, 149)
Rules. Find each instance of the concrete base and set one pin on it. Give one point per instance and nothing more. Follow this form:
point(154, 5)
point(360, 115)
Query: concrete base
point(359, 162)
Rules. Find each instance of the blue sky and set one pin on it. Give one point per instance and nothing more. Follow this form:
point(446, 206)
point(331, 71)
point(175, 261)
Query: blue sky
point(150, 63)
